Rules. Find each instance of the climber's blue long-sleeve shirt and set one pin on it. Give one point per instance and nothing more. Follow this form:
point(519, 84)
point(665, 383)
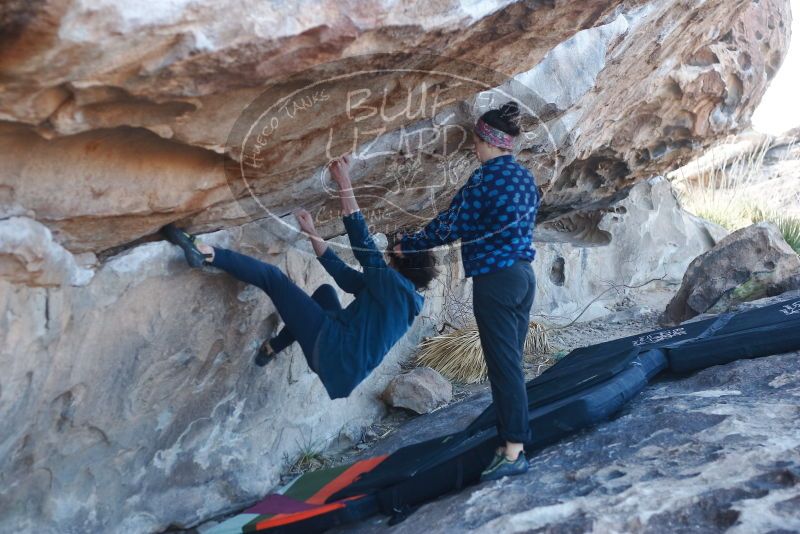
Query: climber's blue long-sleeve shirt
point(492, 215)
point(353, 341)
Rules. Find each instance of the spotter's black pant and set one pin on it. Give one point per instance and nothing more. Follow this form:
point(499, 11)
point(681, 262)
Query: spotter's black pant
point(502, 303)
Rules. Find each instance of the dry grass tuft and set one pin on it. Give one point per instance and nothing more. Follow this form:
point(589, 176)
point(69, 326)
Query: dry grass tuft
point(721, 195)
point(536, 341)
point(458, 356)
point(718, 193)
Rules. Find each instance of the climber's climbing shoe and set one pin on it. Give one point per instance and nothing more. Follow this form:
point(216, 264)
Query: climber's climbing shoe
point(176, 236)
point(265, 354)
point(503, 467)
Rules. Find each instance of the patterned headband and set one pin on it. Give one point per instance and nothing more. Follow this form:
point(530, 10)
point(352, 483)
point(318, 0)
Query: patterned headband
point(493, 136)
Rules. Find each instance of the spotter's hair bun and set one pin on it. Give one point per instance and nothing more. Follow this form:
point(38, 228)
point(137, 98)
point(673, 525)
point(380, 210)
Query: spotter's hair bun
point(506, 118)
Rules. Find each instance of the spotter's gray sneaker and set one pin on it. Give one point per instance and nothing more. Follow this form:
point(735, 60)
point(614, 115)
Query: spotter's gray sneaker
point(501, 467)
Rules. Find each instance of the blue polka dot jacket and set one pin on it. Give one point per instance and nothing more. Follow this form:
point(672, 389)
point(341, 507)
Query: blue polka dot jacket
point(493, 216)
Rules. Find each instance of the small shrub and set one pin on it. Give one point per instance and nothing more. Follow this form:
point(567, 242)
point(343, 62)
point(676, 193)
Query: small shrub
point(309, 458)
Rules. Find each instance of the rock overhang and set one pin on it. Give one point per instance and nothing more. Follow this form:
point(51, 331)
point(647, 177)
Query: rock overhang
point(660, 82)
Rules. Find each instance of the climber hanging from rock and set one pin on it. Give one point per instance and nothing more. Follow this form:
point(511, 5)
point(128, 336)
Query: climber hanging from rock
point(341, 345)
point(493, 216)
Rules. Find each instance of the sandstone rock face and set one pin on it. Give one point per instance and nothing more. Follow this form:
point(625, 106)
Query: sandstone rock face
point(28, 255)
point(133, 401)
point(751, 263)
point(100, 189)
point(641, 242)
point(421, 390)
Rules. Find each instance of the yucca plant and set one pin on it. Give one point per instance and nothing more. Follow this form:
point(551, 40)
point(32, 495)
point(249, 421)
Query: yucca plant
point(458, 356)
point(790, 228)
point(309, 457)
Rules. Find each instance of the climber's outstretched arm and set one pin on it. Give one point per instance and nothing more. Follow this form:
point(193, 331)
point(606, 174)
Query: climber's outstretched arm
point(306, 222)
point(346, 277)
point(363, 246)
point(340, 173)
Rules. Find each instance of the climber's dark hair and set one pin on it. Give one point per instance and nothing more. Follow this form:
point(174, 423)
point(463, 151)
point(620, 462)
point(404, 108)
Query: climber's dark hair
point(506, 118)
point(418, 266)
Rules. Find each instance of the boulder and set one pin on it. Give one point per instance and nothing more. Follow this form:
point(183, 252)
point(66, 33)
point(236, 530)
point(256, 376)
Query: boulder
point(751, 263)
point(132, 401)
point(421, 390)
point(30, 256)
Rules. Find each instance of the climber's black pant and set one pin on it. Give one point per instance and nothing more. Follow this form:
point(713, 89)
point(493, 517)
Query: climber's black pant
point(325, 295)
point(502, 303)
point(302, 315)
